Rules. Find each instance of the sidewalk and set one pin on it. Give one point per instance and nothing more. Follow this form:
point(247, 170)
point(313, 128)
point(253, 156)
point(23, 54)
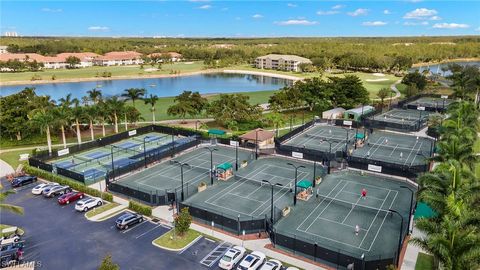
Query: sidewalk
point(410, 258)
point(5, 168)
point(108, 212)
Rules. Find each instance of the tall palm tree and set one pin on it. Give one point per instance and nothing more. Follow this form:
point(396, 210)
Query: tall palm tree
point(62, 116)
point(94, 95)
point(152, 100)
point(43, 118)
point(115, 107)
point(91, 114)
point(102, 114)
point(67, 101)
point(77, 114)
point(8, 207)
point(133, 94)
point(458, 145)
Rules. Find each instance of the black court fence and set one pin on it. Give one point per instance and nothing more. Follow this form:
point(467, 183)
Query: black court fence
point(410, 172)
point(226, 222)
point(385, 124)
point(152, 197)
point(441, 106)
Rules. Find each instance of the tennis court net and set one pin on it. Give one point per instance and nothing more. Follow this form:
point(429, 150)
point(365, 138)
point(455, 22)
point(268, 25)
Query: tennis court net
point(287, 187)
point(415, 148)
point(350, 205)
point(150, 139)
point(129, 151)
point(322, 138)
point(192, 167)
point(399, 117)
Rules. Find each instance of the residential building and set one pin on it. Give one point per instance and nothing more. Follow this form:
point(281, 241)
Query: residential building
point(281, 62)
point(3, 49)
point(86, 58)
point(119, 59)
point(173, 56)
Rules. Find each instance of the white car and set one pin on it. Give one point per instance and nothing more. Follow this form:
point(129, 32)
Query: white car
point(272, 265)
point(38, 189)
point(88, 203)
point(252, 261)
point(231, 257)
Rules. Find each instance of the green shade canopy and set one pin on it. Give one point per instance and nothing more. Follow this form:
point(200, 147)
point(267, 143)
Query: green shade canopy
point(216, 132)
point(424, 211)
point(304, 184)
point(224, 166)
point(359, 135)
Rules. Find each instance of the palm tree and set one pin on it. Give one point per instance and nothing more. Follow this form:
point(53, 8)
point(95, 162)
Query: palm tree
point(275, 119)
point(95, 95)
point(132, 115)
point(43, 118)
point(115, 107)
point(382, 94)
point(8, 207)
point(67, 101)
point(91, 114)
point(102, 114)
point(62, 116)
point(458, 145)
point(152, 100)
point(133, 94)
point(77, 114)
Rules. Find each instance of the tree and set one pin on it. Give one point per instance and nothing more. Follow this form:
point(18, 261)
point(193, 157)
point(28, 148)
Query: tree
point(95, 95)
point(62, 115)
point(114, 108)
point(132, 115)
point(188, 102)
point(152, 101)
point(286, 98)
point(382, 94)
point(348, 91)
point(133, 94)
point(8, 207)
point(183, 221)
point(43, 119)
point(72, 61)
point(466, 81)
point(313, 91)
point(102, 114)
point(411, 90)
point(90, 114)
point(417, 79)
point(108, 264)
point(276, 120)
point(234, 107)
point(78, 114)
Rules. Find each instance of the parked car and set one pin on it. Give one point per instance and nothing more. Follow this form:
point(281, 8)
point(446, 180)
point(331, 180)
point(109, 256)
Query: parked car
point(272, 265)
point(87, 203)
point(23, 180)
point(231, 257)
point(252, 261)
point(70, 197)
point(38, 189)
point(56, 190)
point(10, 234)
point(128, 219)
point(11, 252)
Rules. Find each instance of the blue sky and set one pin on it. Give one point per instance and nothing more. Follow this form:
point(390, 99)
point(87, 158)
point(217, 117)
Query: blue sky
point(201, 18)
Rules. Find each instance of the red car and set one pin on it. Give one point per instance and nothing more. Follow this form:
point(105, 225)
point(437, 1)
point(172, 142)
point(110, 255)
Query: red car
point(70, 197)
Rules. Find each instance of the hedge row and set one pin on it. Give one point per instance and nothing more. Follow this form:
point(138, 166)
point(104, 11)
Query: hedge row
point(65, 181)
point(140, 208)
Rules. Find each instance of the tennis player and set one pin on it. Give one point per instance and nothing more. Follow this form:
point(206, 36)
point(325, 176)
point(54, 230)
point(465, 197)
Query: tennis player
point(364, 193)
point(357, 229)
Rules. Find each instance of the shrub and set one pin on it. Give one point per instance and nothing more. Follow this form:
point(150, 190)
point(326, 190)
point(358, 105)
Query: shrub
point(183, 221)
point(140, 208)
point(65, 181)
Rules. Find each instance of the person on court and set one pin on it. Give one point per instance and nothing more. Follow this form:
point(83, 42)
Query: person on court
point(364, 193)
point(357, 229)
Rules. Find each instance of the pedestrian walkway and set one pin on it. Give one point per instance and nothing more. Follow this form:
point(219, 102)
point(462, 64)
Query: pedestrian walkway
point(108, 213)
point(411, 254)
point(5, 168)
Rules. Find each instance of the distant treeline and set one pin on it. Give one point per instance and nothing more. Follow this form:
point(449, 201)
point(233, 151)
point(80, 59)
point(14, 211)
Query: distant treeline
point(383, 54)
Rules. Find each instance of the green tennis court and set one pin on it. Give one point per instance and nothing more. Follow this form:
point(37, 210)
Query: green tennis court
point(246, 197)
point(405, 117)
point(321, 137)
point(431, 102)
point(332, 218)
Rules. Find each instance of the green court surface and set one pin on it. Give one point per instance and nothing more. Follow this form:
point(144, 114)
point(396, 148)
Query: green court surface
point(246, 197)
point(395, 148)
point(94, 163)
point(405, 117)
point(431, 102)
point(166, 176)
point(330, 219)
point(321, 136)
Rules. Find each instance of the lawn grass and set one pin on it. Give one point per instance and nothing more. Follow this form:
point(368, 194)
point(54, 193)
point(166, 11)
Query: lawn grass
point(12, 157)
point(91, 72)
point(98, 210)
point(476, 146)
point(4, 226)
point(168, 240)
point(424, 262)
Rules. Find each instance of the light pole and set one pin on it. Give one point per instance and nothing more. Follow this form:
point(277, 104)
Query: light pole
point(256, 144)
point(173, 144)
point(399, 249)
point(329, 154)
point(113, 165)
point(346, 141)
point(314, 171)
point(181, 164)
point(196, 125)
point(145, 150)
point(271, 201)
point(211, 163)
point(236, 156)
point(411, 205)
point(296, 179)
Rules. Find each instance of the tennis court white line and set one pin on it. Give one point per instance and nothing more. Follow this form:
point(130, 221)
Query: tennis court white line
point(247, 198)
point(368, 197)
point(376, 142)
point(415, 156)
point(333, 240)
point(381, 225)
point(353, 207)
point(373, 221)
point(343, 224)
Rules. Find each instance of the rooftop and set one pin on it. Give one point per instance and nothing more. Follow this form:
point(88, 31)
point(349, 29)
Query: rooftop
point(285, 57)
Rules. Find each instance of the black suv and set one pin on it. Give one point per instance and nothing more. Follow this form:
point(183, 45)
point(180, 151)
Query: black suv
point(128, 219)
point(23, 180)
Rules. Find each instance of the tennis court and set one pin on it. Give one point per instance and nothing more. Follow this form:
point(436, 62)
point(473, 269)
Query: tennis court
point(332, 218)
point(246, 197)
point(94, 163)
point(399, 119)
point(321, 137)
point(166, 176)
point(430, 103)
point(395, 148)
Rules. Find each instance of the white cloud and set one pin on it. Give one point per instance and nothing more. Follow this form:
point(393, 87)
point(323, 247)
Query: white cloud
point(450, 25)
point(296, 22)
point(292, 5)
point(375, 23)
point(421, 14)
point(414, 1)
point(328, 12)
point(387, 12)
point(338, 6)
point(415, 23)
point(435, 18)
point(257, 16)
point(196, 1)
point(98, 28)
point(52, 10)
point(205, 7)
point(358, 12)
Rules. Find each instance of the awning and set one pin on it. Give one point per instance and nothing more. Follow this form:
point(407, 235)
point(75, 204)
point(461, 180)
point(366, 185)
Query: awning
point(216, 132)
point(424, 211)
point(224, 166)
point(304, 184)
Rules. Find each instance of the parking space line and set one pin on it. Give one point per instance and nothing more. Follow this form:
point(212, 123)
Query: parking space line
point(136, 226)
point(138, 236)
point(215, 254)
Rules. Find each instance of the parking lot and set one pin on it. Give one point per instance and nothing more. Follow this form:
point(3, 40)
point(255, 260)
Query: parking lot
point(58, 237)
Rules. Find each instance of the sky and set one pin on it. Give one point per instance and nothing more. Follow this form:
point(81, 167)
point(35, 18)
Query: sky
point(203, 18)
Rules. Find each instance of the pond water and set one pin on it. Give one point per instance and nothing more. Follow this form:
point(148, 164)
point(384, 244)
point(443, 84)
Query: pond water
point(437, 68)
point(162, 87)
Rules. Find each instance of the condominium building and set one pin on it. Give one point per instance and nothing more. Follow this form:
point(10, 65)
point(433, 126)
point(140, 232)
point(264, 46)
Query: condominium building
point(281, 62)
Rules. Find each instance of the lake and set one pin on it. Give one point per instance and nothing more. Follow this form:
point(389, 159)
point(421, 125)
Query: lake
point(163, 87)
point(437, 68)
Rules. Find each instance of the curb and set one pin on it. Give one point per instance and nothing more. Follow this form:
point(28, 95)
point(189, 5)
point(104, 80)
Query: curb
point(93, 219)
point(180, 249)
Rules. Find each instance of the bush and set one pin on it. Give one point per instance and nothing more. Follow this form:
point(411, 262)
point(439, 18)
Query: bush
point(183, 221)
point(65, 181)
point(140, 208)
